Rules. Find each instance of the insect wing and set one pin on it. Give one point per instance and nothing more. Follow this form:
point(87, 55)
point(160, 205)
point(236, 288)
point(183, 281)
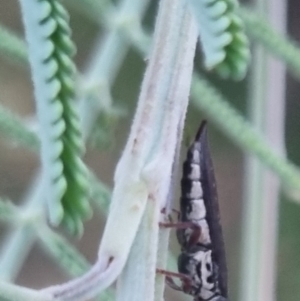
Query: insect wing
point(212, 209)
point(199, 205)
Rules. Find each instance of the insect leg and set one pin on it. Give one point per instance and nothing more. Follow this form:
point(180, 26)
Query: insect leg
point(170, 282)
point(169, 216)
point(195, 236)
point(177, 212)
point(180, 225)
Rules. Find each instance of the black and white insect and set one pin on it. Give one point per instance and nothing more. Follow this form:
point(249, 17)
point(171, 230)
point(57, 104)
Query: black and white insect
point(202, 262)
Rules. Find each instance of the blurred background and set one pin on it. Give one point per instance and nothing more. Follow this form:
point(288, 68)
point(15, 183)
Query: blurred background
point(18, 166)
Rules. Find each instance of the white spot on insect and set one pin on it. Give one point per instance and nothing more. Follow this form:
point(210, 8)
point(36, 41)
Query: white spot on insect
point(206, 293)
point(198, 210)
point(218, 298)
point(196, 156)
point(206, 272)
point(196, 191)
point(205, 236)
point(195, 172)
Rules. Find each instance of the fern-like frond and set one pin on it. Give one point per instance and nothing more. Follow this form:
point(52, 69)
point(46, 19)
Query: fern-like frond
point(224, 43)
point(51, 50)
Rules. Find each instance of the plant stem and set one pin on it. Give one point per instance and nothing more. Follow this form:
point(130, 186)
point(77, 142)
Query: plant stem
point(106, 60)
point(18, 244)
point(262, 187)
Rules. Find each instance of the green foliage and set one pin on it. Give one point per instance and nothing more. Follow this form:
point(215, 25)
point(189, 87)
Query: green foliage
point(51, 50)
point(12, 47)
point(280, 46)
point(224, 43)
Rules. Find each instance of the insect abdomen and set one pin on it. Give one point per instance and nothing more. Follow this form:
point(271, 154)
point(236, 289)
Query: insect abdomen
point(202, 257)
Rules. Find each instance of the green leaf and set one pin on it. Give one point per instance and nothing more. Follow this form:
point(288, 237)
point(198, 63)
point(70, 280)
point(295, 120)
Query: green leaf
point(53, 71)
point(224, 43)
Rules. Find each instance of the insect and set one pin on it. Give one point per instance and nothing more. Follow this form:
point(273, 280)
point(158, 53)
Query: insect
point(202, 262)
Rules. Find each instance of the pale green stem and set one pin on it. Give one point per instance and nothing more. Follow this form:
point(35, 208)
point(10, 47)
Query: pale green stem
point(11, 292)
point(262, 188)
point(166, 260)
point(22, 238)
point(18, 243)
point(273, 40)
point(66, 255)
point(98, 11)
point(174, 28)
point(12, 46)
point(106, 59)
point(14, 128)
point(104, 12)
point(12, 259)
